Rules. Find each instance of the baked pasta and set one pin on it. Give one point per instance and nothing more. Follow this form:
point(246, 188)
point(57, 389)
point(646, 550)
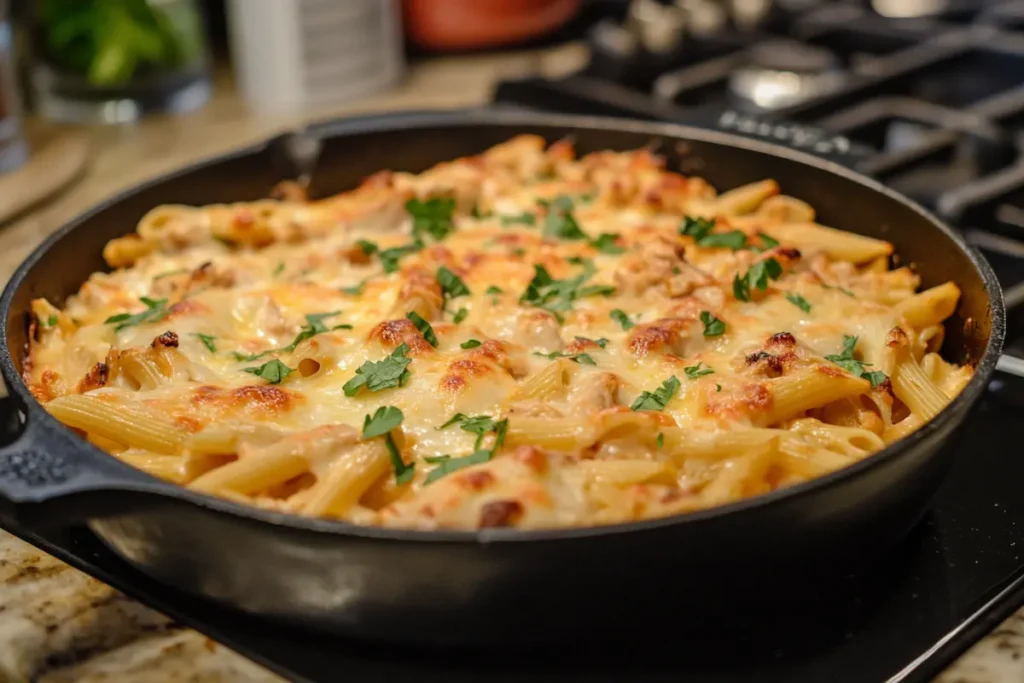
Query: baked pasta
point(522, 339)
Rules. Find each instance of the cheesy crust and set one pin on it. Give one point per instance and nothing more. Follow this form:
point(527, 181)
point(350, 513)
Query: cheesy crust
point(522, 339)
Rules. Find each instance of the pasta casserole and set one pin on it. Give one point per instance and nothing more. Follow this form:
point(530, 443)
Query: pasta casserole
point(525, 338)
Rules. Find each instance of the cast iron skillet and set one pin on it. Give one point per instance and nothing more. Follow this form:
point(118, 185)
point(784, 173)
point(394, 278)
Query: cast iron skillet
point(497, 585)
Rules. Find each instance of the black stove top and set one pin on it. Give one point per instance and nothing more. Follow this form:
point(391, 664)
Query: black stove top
point(936, 96)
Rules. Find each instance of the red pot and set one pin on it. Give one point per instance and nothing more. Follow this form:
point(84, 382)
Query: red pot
point(474, 24)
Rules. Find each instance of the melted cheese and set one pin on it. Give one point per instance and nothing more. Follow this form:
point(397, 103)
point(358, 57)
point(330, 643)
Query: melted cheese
point(243, 278)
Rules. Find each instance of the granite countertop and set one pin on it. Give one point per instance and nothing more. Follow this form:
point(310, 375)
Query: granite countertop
point(58, 625)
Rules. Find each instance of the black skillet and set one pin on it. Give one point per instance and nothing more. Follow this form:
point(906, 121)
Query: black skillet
point(501, 585)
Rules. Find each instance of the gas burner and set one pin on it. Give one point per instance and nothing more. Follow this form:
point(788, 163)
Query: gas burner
point(784, 73)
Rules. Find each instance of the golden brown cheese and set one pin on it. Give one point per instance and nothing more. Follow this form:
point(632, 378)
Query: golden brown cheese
point(569, 341)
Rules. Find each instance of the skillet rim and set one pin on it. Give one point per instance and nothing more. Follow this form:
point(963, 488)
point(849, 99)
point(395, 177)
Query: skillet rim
point(344, 127)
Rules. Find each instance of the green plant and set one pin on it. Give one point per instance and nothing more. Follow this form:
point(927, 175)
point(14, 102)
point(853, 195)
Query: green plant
point(111, 41)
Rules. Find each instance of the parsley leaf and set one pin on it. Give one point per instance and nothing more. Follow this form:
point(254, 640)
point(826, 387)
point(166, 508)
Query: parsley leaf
point(840, 289)
point(718, 387)
point(660, 441)
point(476, 213)
point(798, 301)
point(558, 295)
point(460, 315)
point(607, 243)
point(560, 223)
point(470, 343)
point(424, 327)
point(695, 371)
point(380, 424)
point(848, 362)
point(452, 286)
point(581, 358)
point(356, 289)
point(602, 342)
point(494, 290)
point(525, 218)
point(314, 326)
point(734, 239)
point(659, 398)
point(433, 216)
point(389, 258)
point(455, 419)
point(156, 310)
point(619, 316)
point(273, 371)
point(447, 464)
point(207, 341)
point(383, 421)
point(51, 321)
point(368, 247)
point(713, 327)
point(278, 270)
point(382, 374)
point(767, 242)
point(756, 277)
point(696, 227)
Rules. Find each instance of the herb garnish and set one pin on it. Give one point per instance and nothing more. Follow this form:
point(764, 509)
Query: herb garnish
point(695, 371)
point(713, 327)
point(278, 270)
point(560, 223)
point(380, 424)
point(460, 315)
point(51, 321)
point(660, 441)
point(452, 286)
point(659, 398)
point(798, 301)
point(480, 425)
point(156, 310)
point(424, 327)
point(767, 242)
point(848, 362)
point(208, 341)
point(383, 374)
point(494, 290)
point(841, 289)
point(619, 316)
point(273, 371)
point(525, 218)
point(558, 295)
point(447, 464)
point(356, 289)
point(470, 343)
point(581, 358)
point(756, 278)
point(607, 243)
point(433, 216)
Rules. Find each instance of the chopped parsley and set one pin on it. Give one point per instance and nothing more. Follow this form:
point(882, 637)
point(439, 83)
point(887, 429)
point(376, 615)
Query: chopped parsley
point(208, 341)
point(273, 371)
point(460, 315)
point(51, 321)
point(560, 223)
point(848, 362)
point(356, 289)
point(424, 327)
point(798, 301)
point(607, 243)
point(696, 227)
point(156, 310)
point(314, 326)
point(433, 217)
point(447, 464)
point(581, 358)
point(840, 289)
point(383, 374)
point(494, 290)
point(695, 371)
point(756, 278)
point(619, 316)
point(480, 425)
point(558, 295)
point(470, 343)
point(660, 440)
point(659, 398)
point(718, 388)
point(368, 247)
point(389, 258)
point(734, 239)
point(380, 424)
point(767, 242)
point(602, 342)
point(452, 286)
point(476, 213)
point(525, 218)
point(713, 327)
point(519, 251)
point(278, 270)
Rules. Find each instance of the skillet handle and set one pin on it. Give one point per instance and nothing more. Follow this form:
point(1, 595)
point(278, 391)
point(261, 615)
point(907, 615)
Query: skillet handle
point(797, 136)
point(48, 476)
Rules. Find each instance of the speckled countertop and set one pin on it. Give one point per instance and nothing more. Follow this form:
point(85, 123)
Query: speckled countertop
point(58, 625)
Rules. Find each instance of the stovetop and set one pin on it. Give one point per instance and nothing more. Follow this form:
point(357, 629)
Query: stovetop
point(938, 99)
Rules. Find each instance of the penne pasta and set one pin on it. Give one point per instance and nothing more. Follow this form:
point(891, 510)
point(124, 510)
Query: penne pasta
point(837, 244)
